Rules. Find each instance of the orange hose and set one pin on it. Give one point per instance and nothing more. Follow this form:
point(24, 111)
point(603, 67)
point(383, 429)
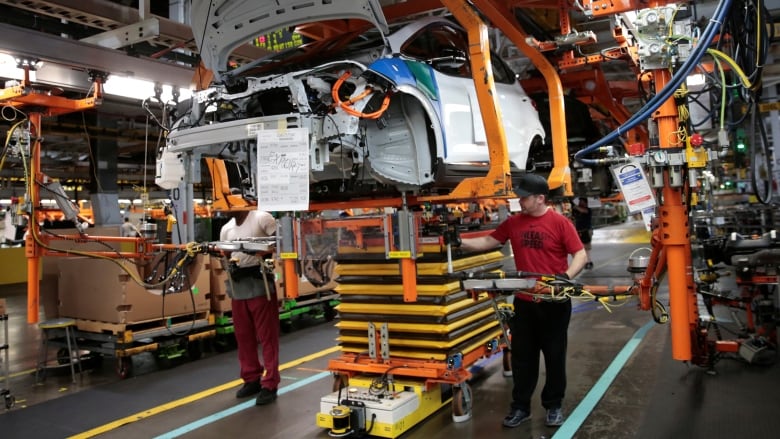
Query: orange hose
point(347, 106)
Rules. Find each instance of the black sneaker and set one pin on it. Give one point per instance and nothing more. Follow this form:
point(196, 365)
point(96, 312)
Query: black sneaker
point(265, 397)
point(248, 389)
point(554, 417)
point(516, 417)
point(589, 266)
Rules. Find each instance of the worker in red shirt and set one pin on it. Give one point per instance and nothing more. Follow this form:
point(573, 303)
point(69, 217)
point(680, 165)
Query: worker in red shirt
point(542, 241)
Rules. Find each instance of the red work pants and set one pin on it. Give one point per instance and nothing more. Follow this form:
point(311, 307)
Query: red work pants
point(256, 322)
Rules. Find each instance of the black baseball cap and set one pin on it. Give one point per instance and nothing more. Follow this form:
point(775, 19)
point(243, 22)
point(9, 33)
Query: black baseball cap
point(531, 184)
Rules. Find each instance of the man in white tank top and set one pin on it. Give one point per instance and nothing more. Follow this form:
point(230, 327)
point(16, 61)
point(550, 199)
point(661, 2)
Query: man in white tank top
point(255, 306)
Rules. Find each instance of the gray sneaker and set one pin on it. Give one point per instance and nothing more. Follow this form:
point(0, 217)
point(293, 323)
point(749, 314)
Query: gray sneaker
point(516, 417)
point(554, 417)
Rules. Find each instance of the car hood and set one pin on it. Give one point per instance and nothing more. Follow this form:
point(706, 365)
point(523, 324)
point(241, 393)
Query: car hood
point(219, 26)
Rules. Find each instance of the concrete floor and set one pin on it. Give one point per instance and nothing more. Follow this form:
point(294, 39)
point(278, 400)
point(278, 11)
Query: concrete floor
point(649, 396)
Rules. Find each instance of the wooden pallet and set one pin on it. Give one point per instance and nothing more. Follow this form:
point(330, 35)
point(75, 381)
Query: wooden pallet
point(96, 326)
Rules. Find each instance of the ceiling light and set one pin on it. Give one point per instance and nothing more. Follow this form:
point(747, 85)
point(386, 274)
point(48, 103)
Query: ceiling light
point(140, 89)
point(10, 69)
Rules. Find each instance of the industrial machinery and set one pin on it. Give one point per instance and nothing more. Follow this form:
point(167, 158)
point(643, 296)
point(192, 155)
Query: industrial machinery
point(323, 126)
point(661, 155)
point(679, 162)
point(159, 273)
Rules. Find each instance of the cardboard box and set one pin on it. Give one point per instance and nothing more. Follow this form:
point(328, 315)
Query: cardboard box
point(220, 302)
point(47, 290)
point(305, 288)
point(48, 287)
point(97, 289)
point(218, 277)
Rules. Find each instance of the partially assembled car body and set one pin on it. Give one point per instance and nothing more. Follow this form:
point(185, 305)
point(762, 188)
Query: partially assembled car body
point(388, 109)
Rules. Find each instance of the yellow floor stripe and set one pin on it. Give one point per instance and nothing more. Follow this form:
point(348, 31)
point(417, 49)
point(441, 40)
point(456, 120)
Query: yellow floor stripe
point(194, 397)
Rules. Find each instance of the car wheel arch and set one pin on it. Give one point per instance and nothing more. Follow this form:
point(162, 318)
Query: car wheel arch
point(409, 103)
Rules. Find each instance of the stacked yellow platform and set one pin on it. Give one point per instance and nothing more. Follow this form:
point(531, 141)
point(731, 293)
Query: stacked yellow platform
point(444, 320)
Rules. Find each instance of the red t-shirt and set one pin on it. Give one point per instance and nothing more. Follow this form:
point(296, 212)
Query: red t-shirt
point(540, 244)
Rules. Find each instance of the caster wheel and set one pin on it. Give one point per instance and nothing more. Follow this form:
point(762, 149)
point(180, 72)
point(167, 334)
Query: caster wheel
point(40, 374)
point(124, 367)
point(195, 349)
point(9, 401)
point(461, 403)
point(329, 313)
point(340, 381)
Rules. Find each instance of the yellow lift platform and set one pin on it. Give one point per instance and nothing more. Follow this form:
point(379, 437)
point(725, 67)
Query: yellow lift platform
point(403, 358)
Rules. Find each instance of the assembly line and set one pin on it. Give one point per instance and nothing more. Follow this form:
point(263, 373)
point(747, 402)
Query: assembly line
point(194, 399)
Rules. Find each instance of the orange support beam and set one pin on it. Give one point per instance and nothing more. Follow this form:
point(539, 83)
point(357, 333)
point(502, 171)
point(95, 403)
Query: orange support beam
point(31, 248)
point(409, 278)
point(497, 182)
point(673, 217)
point(290, 279)
point(223, 199)
point(503, 18)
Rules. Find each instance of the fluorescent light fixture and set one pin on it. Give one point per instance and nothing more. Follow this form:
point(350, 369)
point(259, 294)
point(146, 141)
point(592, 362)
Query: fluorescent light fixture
point(140, 89)
point(115, 85)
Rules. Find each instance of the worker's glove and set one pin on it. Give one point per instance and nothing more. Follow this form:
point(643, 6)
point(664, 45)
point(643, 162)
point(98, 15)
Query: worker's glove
point(452, 238)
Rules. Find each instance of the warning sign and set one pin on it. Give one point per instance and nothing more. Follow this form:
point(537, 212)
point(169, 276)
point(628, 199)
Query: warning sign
point(634, 186)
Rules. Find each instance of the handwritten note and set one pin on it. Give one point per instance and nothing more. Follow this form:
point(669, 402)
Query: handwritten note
point(283, 169)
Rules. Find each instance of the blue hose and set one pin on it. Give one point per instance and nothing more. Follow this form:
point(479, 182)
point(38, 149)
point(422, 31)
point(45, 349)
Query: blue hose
point(661, 97)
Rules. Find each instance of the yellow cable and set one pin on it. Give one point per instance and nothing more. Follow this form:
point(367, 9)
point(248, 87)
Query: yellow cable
point(743, 78)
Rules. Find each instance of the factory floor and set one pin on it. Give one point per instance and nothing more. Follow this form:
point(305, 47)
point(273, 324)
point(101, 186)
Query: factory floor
point(622, 383)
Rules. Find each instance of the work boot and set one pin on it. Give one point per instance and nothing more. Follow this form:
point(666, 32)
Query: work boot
point(516, 417)
point(248, 389)
point(265, 397)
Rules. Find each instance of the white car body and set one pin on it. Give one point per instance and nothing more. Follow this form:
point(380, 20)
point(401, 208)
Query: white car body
point(430, 136)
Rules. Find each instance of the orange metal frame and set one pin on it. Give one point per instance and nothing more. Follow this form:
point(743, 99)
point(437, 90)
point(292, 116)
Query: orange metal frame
point(356, 225)
point(433, 372)
point(37, 245)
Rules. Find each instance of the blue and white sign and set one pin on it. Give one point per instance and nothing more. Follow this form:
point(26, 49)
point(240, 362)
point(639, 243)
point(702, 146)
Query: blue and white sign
point(634, 186)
